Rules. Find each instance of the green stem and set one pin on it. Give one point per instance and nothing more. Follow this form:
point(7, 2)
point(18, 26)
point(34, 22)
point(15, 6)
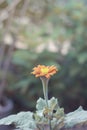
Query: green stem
point(45, 89)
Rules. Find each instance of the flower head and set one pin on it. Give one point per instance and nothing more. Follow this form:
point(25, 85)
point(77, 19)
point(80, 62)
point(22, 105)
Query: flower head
point(44, 71)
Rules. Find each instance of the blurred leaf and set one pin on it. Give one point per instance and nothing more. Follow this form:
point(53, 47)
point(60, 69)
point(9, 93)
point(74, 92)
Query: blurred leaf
point(82, 58)
point(9, 1)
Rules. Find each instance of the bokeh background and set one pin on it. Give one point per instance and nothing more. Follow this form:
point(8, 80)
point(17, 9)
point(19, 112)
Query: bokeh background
point(49, 32)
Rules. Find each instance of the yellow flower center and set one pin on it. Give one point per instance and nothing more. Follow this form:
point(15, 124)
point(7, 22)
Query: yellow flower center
point(44, 70)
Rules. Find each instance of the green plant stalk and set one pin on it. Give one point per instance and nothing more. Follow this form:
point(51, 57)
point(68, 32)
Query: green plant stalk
point(45, 91)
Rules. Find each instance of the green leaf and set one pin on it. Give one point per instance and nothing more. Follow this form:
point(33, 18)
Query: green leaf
point(22, 83)
point(75, 118)
point(41, 103)
point(82, 57)
point(53, 103)
point(23, 58)
point(23, 120)
point(57, 117)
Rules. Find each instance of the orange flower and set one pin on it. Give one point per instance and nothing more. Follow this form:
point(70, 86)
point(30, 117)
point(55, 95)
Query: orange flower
point(44, 71)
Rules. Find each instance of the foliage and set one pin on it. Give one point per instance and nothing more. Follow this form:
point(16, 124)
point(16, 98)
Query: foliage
point(27, 121)
point(23, 120)
point(76, 117)
point(57, 119)
point(72, 78)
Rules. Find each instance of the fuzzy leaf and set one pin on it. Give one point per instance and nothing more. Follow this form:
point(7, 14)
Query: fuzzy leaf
point(76, 117)
point(41, 103)
point(23, 120)
point(53, 103)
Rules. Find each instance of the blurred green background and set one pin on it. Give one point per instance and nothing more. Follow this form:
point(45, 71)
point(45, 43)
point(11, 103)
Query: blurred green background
point(49, 32)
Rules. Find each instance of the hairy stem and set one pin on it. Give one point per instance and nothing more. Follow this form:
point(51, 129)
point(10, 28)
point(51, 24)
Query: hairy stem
point(45, 91)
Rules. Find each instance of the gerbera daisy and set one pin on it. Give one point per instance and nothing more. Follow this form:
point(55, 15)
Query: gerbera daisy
point(44, 71)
